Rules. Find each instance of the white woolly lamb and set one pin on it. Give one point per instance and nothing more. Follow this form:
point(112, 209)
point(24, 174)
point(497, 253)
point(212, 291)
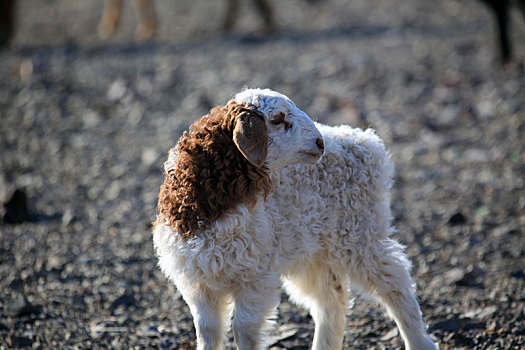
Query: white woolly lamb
point(314, 226)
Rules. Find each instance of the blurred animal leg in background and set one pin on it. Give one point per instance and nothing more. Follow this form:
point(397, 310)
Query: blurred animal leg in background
point(111, 15)
point(501, 11)
point(262, 6)
point(231, 14)
point(146, 17)
point(521, 4)
point(7, 21)
point(266, 12)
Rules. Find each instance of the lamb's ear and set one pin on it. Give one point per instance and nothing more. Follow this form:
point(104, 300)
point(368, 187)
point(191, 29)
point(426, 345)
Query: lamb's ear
point(250, 135)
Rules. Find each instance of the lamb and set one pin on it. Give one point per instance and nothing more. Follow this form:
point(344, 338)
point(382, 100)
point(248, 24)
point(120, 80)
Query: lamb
point(247, 206)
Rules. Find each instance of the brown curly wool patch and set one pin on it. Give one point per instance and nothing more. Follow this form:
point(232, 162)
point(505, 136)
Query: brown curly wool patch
point(211, 174)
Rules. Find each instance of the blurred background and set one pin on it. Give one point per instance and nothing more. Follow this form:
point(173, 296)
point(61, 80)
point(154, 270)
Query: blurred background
point(88, 113)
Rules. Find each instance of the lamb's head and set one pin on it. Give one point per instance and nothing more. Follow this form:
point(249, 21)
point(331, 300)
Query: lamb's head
point(292, 135)
point(227, 156)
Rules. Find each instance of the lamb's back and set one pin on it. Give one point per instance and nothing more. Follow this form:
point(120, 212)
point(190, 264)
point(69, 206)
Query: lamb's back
point(345, 194)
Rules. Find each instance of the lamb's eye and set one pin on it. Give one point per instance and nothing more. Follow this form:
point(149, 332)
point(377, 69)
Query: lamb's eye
point(278, 119)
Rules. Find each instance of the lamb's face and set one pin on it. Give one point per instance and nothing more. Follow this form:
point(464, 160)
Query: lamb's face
point(292, 135)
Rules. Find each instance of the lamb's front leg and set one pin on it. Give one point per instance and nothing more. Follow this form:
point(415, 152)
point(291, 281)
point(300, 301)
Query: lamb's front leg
point(210, 310)
point(255, 305)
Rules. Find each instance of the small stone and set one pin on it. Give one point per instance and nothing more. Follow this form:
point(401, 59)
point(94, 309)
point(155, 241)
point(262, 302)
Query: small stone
point(476, 155)
point(518, 330)
point(390, 335)
point(482, 313)
point(67, 217)
point(284, 332)
point(486, 109)
point(491, 326)
point(91, 119)
point(26, 69)
point(149, 156)
point(470, 277)
point(454, 275)
point(117, 90)
point(14, 304)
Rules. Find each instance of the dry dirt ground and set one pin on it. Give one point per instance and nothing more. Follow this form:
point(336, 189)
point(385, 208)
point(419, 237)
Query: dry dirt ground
point(85, 126)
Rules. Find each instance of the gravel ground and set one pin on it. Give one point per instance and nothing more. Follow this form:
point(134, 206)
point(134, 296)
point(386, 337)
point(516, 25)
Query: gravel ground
point(85, 126)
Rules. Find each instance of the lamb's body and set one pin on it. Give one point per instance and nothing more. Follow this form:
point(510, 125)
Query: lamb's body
point(339, 204)
point(339, 210)
point(320, 227)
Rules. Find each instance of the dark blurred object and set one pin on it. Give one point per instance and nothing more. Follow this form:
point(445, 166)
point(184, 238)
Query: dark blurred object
point(125, 300)
point(186, 346)
point(15, 209)
point(7, 21)
point(263, 7)
point(457, 219)
point(501, 10)
point(519, 273)
point(16, 341)
point(111, 15)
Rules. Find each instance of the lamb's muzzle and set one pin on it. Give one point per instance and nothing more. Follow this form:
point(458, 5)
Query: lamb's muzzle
point(318, 153)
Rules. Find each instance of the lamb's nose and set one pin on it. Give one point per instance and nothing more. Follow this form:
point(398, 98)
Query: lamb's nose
point(320, 144)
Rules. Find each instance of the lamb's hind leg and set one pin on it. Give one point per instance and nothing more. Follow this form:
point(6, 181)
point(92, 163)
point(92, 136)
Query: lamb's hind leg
point(385, 273)
point(324, 293)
